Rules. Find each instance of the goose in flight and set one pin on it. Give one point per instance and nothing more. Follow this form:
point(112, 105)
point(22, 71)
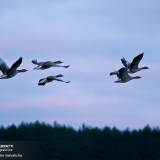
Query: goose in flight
point(9, 72)
point(134, 65)
point(48, 79)
point(47, 64)
point(123, 75)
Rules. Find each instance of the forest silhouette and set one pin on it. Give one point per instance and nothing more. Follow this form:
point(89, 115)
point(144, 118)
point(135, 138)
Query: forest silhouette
point(87, 143)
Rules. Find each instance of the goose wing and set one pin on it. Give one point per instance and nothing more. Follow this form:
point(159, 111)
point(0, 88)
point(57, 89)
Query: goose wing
point(125, 63)
point(136, 61)
point(15, 66)
point(57, 62)
point(42, 82)
point(3, 66)
point(47, 63)
point(35, 62)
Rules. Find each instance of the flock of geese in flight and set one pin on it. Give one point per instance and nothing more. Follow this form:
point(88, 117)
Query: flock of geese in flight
point(123, 73)
point(9, 72)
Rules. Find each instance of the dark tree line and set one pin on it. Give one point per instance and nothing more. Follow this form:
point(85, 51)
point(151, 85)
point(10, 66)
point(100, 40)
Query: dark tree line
point(65, 143)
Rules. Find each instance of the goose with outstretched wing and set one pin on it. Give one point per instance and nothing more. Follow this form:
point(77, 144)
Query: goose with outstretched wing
point(47, 64)
point(9, 72)
point(49, 79)
point(133, 67)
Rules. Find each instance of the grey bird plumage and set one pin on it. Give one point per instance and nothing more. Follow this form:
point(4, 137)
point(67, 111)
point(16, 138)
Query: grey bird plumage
point(133, 67)
point(9, 72)
point(49, 79)
point(47, 64)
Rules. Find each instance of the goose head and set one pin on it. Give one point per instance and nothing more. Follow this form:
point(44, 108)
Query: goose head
point(145, 67)
point(59, 75)
point(41, 84)
point(136, 77)
point(22, 70)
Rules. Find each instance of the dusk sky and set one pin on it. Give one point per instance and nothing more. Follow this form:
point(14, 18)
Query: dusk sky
point(91, 36)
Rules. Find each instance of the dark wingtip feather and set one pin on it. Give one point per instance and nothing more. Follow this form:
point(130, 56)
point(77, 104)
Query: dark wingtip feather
point(140, 55)
point(20, 60)
point(124, 62)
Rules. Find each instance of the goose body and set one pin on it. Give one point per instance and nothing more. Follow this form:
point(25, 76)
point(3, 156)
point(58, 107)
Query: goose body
point(9, 72)
point(123, 75)
point(133, 67)
point(49, 79)
point(47, 64)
